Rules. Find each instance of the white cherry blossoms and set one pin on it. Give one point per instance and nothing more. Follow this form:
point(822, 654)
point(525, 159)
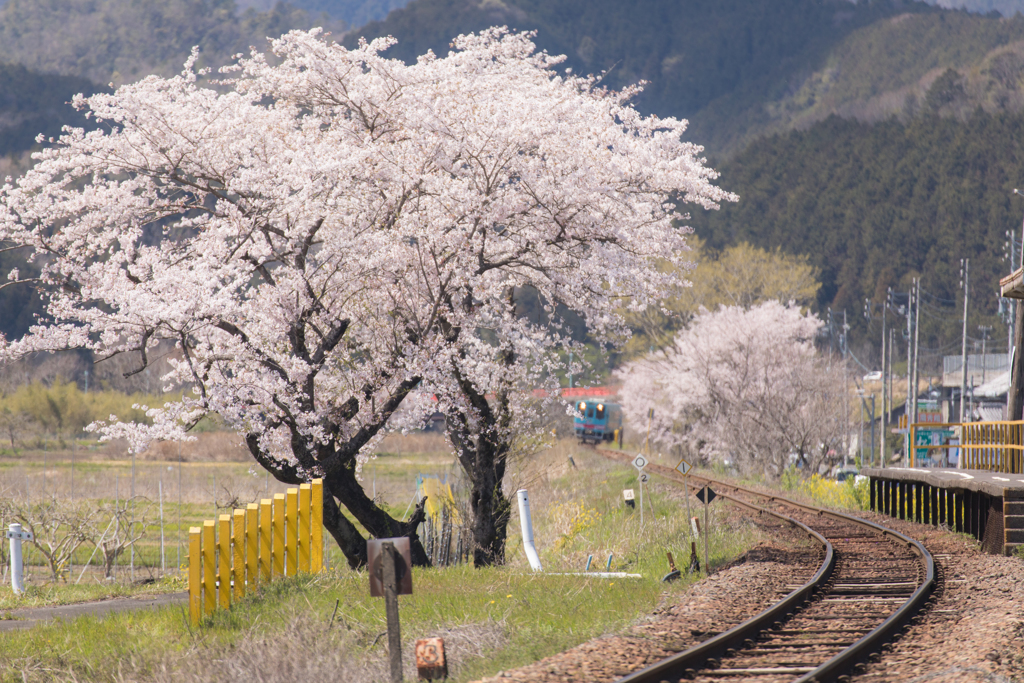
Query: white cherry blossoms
point(328, 230)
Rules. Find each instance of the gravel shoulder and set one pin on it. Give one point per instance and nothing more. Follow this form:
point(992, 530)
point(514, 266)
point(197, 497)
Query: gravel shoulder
point(973, 632)
point(757, 579)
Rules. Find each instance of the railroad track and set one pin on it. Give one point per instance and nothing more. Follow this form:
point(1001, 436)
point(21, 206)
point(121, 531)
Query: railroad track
point(872, 581)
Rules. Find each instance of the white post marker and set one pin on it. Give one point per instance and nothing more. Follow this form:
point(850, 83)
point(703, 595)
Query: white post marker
point(640, 462)
point(684, 469)
point(527, 525)
point(16, 535)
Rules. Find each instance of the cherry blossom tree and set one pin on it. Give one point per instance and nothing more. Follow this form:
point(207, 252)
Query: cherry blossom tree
point(325, 232)
point(743, 385)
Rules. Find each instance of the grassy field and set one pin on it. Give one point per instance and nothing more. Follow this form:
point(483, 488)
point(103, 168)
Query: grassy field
point(492, 619)
point(172, 495)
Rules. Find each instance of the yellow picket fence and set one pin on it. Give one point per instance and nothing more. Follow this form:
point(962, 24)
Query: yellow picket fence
point(234, 554)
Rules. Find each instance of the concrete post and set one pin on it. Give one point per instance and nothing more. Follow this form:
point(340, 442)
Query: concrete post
point(527, 526)
point(16, 535)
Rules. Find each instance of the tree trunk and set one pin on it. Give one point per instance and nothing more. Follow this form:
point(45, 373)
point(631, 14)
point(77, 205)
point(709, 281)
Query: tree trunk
point(340, 483)
point(343, 484)
point(352, 544)
point(483, 455)
point(491, 511)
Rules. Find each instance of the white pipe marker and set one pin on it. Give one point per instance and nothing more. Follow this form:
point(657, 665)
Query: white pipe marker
point(527, 524)
point(16, 535)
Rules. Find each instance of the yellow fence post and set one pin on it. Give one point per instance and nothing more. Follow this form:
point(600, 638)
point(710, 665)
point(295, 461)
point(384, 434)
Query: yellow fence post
point(224, 563)
point(209, 568)
point(277, 549)
point(266, 539)
point(238, 543)
point(195, 574)
point(316, 526)
point(291, 538)
point(305, 535)
point(252, 545)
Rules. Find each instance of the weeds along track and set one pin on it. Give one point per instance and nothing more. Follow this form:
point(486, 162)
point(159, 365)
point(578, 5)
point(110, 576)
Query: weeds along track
point(871, 582)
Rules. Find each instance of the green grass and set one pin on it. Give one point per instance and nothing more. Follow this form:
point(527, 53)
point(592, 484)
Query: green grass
point(492, 619)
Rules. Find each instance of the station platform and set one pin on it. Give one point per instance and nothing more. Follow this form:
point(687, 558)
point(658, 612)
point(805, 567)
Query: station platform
point(988, 505)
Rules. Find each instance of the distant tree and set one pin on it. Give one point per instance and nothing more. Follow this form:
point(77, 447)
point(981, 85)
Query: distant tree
point(744, 386)
point(331, 231)
point(58, 526)
point(874, 205)
point(740, 275)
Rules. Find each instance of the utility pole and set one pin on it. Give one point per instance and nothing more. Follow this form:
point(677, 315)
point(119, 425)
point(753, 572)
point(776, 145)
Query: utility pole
point(984, 329)
point(1015, 397)
point(885, 388)
point(1011, 303)
point(873, 429)
point(846, 375)
point(892, 352)
point(965, 283)
point(829, 337)
point(917, 339)
point(907, 410)
point(910, 354)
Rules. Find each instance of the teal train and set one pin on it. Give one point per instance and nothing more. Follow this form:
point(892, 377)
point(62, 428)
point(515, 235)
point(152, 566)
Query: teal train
point(598, 421)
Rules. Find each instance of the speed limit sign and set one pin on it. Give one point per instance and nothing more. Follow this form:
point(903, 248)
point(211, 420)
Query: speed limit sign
point(644, 477)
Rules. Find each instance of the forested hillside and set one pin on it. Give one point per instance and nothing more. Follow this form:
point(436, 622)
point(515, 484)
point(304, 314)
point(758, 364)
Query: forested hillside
point(32, 104)
point(875, 205)
point(887, 69)
point(1005, 7)
point(724, 58)
point(353, 12)
point(121, 41)
point(869, 204)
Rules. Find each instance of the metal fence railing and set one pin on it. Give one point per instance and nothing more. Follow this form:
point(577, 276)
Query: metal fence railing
point(993, 446)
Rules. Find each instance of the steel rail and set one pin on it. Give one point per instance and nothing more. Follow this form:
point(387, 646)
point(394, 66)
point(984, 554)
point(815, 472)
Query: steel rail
point(686, 663)
point(698, 655)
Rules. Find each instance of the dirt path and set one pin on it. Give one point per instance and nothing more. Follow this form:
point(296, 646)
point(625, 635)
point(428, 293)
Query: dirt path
point(32, 616)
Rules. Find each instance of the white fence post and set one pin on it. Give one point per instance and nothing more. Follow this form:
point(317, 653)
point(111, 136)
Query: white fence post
point(16, 535)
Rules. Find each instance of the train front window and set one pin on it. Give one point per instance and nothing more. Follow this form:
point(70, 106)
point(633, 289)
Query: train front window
point(600, 411)
point(582, 407)
point(590, 411)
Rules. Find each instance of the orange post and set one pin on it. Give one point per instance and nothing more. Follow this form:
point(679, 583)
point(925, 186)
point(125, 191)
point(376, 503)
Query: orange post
point(316, 526)
point(238, 544)
point(252, 545)
point(209, 567)
point(195, 574)
point(305, 499)
point(266, 539)
point(277, 545)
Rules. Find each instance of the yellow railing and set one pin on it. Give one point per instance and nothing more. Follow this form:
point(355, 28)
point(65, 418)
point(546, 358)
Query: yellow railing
point(234, 554)
point(993, 446)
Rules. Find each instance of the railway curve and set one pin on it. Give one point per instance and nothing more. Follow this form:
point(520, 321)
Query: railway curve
point(872, 581)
